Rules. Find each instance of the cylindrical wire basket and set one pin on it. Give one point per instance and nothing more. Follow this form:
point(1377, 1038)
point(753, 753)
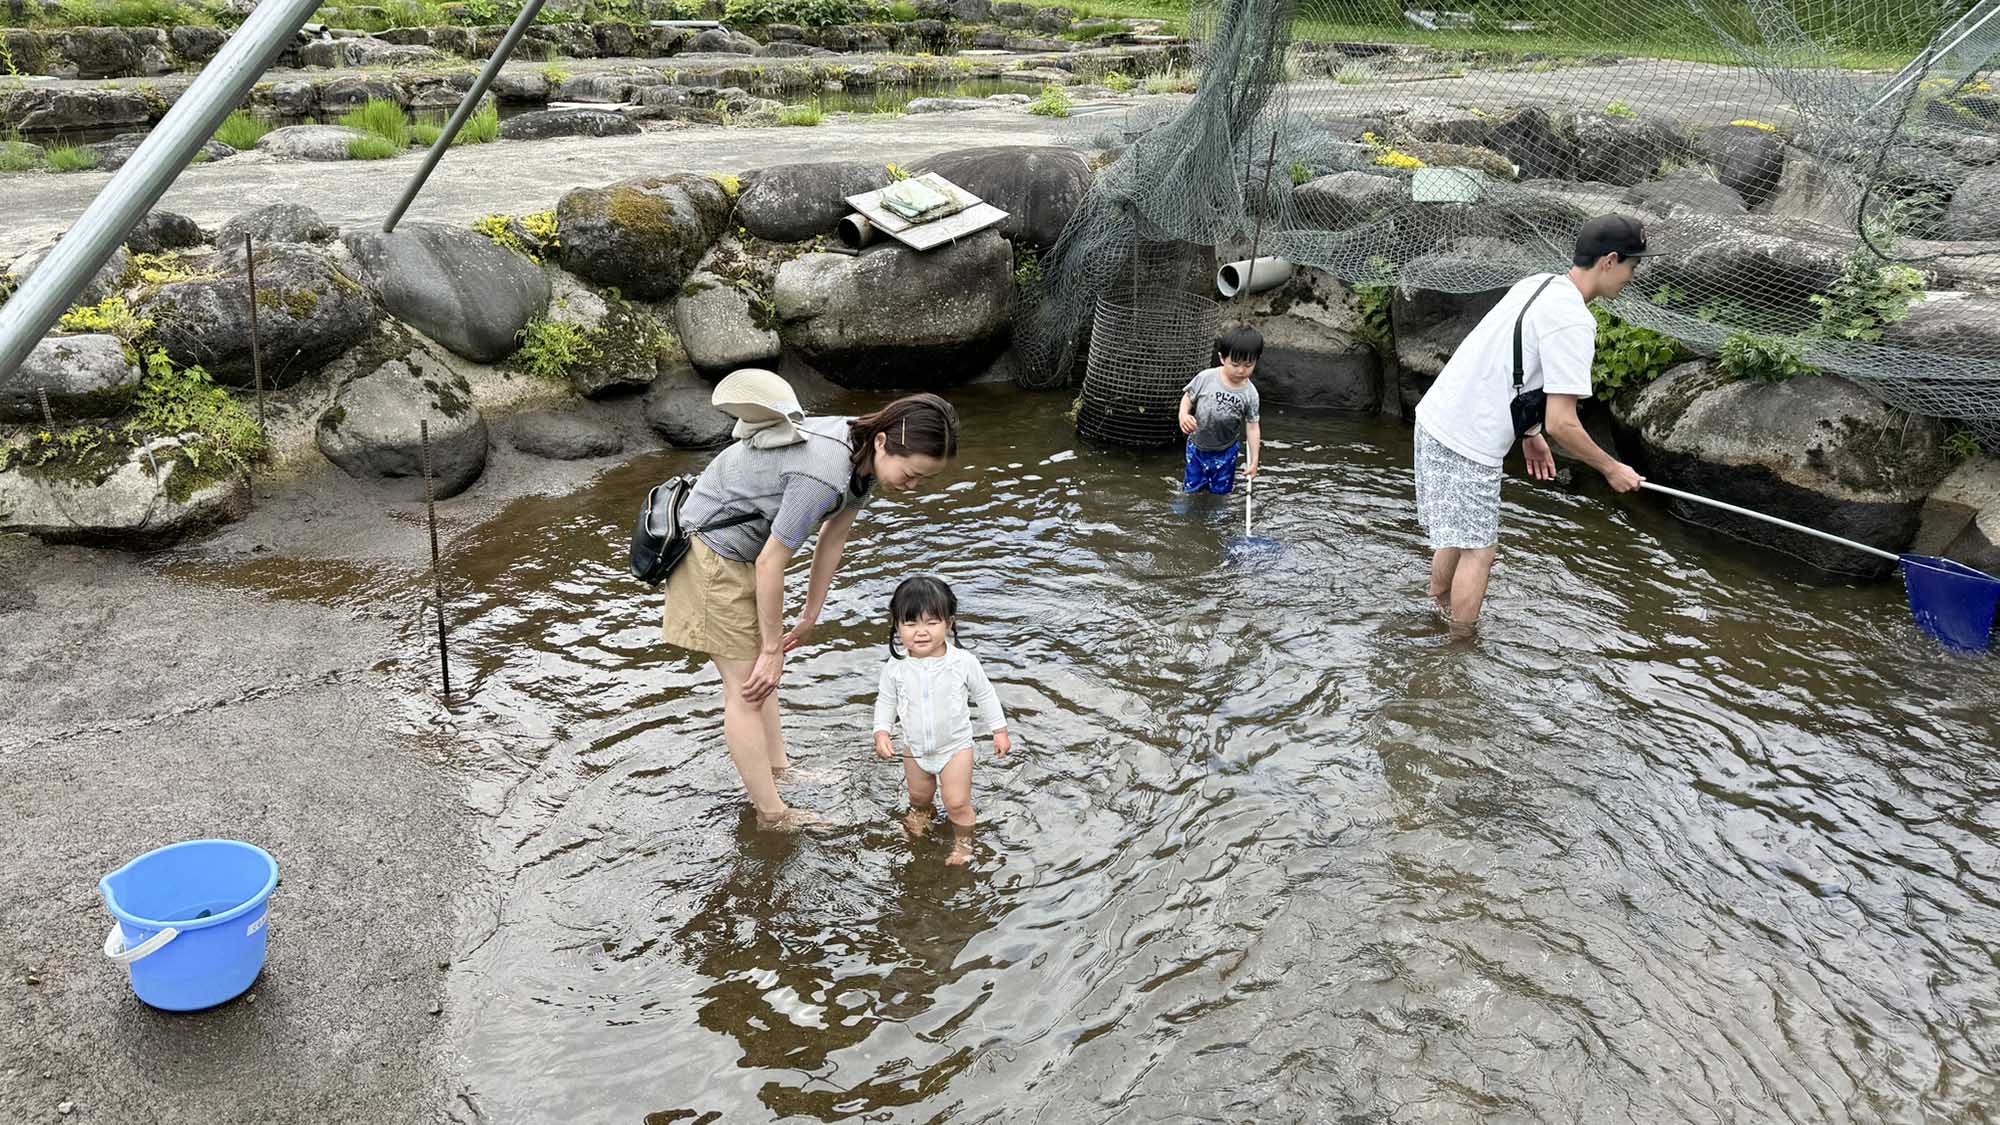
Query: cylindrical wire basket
point(1144, 347)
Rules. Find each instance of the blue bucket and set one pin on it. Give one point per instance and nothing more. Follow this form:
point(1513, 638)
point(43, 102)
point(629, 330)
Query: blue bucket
point(1951, 601)
point(191, 921)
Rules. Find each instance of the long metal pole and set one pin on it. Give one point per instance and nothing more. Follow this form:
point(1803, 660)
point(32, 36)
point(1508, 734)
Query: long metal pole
point(1787, 524)
point(464, 111)
point(134, 189)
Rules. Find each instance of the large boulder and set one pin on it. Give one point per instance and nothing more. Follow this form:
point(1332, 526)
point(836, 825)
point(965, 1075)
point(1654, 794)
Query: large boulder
point(1537, 143)
point(308, 312)
point(343, 94)
point(1690, 192)
point(196, 45)
point(563, 437)
point(681, 409)
point(723, 326)
point(1950, 324)
point(1815, 450)
point(102, 284)
point(1623, 149)
point(1348, 199)
point(543, 124)
point(52, 110)
point(164, 230)
point(1316, 352)
point(1039, 187)
point(112, 154)
point(1748, 160)
point(453, 285)
point(722, 41)
point(1974, 214)
point(893, 317)
point(276, 222)
point(794, 202)
point(373, 429)
point(1766, 264)
point(629, 344)
point(122, 497)
point(642, 235)
point(1430, 325)
point(1961, 517)
point(83, 376)
point(1438, 154)
point(1811, 191)
point(309, 142)
point(98, 52)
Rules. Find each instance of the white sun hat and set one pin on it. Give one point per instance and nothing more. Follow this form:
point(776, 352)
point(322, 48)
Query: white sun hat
point(765, 407)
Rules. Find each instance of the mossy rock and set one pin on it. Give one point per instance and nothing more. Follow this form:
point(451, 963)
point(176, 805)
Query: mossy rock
point(643, 235)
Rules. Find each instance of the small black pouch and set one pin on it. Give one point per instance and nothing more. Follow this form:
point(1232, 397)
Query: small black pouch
point(659, 542)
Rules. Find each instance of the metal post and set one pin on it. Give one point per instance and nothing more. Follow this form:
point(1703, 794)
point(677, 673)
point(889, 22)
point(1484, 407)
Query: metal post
point(133, 189)
point(464, 111)
point(256, 352)
point(437, 573)
point(48, 417)
point(1251, 273)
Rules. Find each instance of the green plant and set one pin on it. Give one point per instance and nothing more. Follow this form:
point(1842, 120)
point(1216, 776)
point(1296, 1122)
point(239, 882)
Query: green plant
point(1300, 174)
point(1051, 102)
point(241, 131)
point(1768, 359)
point(17, 155)
point(383, 118)
point(804, 113)
point(425, 131)
point(1118, 82)
point(1027, 274)
point(1629, 356)
point(1621, 109)
point(550, 349)
point(216, 434)
point(1354, 74)
point(902, 11)
point(1962, 445)
point(483, 127)
point(373, 147)
point(111, 316)
point(805, 13)
point(1374, 295)
point(897, 172)
point(71, 158)
point(1173, 80)
point(555, 74)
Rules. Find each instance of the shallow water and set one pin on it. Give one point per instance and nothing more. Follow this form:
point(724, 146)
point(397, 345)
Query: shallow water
point(1681, 836)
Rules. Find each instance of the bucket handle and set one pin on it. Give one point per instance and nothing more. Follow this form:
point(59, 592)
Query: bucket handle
point(114, 944)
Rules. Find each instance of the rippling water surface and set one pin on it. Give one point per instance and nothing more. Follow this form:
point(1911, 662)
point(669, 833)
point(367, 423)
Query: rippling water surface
point(1681, 836)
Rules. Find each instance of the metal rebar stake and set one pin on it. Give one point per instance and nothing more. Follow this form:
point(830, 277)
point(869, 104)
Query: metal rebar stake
point(48, 417)
point(256, 352)
point(437, 573)
point(1257, 236)
point(459, 116)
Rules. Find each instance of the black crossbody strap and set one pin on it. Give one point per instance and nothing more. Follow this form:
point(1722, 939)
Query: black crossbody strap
point(730, 521)
point(1519, 372)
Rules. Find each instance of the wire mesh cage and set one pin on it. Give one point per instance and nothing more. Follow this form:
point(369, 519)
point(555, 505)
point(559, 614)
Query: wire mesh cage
point(1145, 345)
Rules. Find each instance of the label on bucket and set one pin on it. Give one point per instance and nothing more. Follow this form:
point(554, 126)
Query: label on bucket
point(255, 926)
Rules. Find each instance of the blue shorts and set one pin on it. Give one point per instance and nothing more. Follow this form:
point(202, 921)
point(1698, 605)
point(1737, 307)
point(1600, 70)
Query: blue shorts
point(1211, 472)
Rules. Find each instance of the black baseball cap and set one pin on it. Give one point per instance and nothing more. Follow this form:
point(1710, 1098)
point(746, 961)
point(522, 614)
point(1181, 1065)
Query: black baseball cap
point(1611, 234)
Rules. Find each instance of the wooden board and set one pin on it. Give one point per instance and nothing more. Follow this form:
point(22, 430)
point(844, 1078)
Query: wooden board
point(977, 216)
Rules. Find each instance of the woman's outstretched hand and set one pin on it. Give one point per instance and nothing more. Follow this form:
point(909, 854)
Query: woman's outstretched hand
point(800, 635)
point(764, 676)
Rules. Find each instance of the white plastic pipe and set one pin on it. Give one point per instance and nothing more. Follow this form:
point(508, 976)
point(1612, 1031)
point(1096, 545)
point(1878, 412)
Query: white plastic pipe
point(856, 231)
point(1252, 275)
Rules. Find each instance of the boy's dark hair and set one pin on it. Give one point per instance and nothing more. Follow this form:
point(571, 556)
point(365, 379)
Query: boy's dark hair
point(1241, 343)
point(920, 597)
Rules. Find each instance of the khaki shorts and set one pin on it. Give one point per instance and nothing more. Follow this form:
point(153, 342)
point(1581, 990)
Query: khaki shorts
point(712, 605)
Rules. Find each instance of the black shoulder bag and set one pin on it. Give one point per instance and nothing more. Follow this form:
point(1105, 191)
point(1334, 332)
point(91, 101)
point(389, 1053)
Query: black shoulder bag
point(659, 542)
point(1529, 408)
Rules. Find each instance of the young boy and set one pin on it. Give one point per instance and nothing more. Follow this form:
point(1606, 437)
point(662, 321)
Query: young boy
point(1219, 412)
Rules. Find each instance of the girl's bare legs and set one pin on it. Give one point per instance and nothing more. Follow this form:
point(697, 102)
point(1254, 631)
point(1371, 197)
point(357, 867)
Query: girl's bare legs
point(923, 791)
point(747, 730)
point(955, 782)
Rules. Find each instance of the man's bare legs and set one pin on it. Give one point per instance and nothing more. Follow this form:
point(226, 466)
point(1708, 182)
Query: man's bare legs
point(1458, 582)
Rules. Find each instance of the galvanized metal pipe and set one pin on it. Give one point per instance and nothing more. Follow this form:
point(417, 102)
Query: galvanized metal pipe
point(134, 189)
point(465, 108)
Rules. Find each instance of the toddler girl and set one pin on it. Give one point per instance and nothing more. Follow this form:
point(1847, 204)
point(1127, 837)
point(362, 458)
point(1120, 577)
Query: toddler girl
point(928, 699)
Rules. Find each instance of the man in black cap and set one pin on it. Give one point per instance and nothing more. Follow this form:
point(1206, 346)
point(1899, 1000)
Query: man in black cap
point(1528, 360)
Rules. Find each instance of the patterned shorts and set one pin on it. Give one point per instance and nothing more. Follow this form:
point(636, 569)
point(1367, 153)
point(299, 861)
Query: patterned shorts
point(1458, 499)
point(1211, 472)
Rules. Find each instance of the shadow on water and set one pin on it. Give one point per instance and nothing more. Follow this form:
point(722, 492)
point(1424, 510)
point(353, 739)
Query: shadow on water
point(1680, 836)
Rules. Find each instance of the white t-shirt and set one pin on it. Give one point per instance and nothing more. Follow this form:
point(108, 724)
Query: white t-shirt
point(1466, 408)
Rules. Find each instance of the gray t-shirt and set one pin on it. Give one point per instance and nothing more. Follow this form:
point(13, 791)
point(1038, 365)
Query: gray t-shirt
point(1221, 412)
point(793, 489)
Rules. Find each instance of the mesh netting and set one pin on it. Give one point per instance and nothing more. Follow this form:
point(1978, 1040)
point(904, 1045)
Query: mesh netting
point(1826, 209)
point(1147, 338)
